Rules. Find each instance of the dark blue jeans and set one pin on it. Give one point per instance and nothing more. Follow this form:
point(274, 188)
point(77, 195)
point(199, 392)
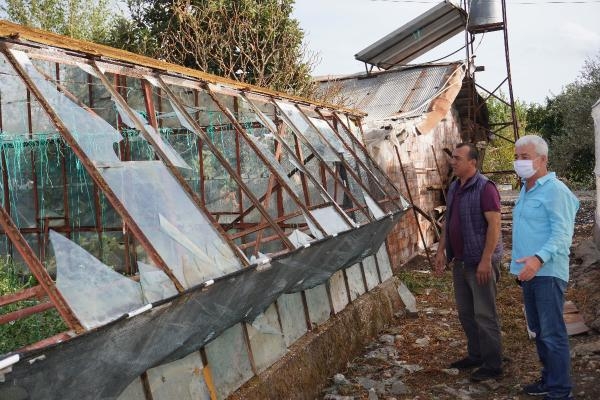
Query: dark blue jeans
point(543, 297)
point(476, 305)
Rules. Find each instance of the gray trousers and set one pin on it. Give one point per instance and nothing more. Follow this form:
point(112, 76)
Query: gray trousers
point(476, 305)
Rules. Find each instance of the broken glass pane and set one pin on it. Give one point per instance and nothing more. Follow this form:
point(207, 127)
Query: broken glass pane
point(95, 293)
point(295, 118)
point(94, 135)
point(156, 285)
point(166, 148)
point(329, 135)
point(299, 238)
point(182, 235)
point(278, 167)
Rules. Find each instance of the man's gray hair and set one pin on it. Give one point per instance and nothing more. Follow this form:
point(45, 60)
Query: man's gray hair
point(541, 147)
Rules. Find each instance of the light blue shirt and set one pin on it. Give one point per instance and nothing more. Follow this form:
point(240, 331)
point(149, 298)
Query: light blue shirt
point(543, 222)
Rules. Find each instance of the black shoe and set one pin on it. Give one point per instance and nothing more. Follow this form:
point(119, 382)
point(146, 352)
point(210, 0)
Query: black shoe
point(537, 388)
point(466, 363)
point(483, 374)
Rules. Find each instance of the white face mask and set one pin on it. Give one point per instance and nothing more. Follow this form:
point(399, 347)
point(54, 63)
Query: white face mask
point(524, 168)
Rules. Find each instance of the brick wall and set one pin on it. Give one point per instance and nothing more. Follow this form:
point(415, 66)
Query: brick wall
point(425, 184)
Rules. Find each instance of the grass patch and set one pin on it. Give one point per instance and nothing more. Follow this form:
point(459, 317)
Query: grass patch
point(19, 333)
point(417, 281)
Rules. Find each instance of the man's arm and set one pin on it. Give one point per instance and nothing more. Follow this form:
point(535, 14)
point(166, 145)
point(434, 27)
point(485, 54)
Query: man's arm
point(492, 235)
point(440, 257)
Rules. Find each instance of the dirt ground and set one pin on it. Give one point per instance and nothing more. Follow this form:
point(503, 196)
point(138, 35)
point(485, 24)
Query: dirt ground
point(409, 360)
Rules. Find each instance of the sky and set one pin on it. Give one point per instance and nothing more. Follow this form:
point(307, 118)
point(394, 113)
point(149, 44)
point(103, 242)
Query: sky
point(548, 40)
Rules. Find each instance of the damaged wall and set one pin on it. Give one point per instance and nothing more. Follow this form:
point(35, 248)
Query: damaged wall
point(415, 108)
point(426, 181)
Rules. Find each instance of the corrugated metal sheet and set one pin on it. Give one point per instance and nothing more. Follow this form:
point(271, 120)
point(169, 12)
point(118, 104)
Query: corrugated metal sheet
point(404, 93)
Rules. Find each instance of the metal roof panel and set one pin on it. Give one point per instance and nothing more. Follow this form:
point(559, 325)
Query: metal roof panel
point(404, 93)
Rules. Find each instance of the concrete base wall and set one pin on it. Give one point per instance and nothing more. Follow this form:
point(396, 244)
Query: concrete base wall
point(303, 372)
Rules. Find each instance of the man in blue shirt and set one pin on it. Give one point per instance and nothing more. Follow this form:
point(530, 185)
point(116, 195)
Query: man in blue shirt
point(543, 222)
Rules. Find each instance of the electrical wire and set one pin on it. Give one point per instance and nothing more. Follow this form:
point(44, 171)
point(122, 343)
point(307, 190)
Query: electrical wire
point(448, 55)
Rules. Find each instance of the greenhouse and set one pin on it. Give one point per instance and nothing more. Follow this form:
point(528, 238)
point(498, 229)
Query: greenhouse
point(139, 196)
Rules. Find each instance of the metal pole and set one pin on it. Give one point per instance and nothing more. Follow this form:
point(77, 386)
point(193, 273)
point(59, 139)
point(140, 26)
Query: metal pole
point(413, 208)
point(510, 89)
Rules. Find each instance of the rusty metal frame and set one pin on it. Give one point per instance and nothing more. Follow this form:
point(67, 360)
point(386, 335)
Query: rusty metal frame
point(149, 104)
point(273, 185)
point(305, 172)
point(90, 167)
point(414, 208)
point(354, 140)
point(376, 166)
point(352, 152)
point(347, 167)
point(238, 166)
point(38, 270)
point(202, 135)
point(248, 210)
point(324, 164)
point(148, 101)
point(243, 133)
point(472, 107)
point(43, 230)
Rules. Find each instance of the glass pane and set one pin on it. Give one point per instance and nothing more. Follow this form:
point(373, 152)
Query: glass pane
point(94, 135)
point(156, 285)
point(308, 133)
point(95, 293)
point(329, 219)
point(183, 237)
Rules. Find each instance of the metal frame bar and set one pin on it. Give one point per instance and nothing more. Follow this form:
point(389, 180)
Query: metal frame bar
point(148, 101)
point(38, 270)
point(410, 198)
point(149, 104)
point(354, 140)
point(251, 207)
point(268, 195)
point(356, 176)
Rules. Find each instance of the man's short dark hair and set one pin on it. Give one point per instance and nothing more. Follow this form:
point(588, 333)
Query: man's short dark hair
point(473, 151)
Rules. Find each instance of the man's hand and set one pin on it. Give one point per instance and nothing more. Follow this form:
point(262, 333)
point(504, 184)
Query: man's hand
point(530, 269)
point(484, 272)
point(440, 263)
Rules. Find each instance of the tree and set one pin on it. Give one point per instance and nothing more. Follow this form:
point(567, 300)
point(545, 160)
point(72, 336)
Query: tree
point(253, 41)
point(90, 20)
point(567, 124)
